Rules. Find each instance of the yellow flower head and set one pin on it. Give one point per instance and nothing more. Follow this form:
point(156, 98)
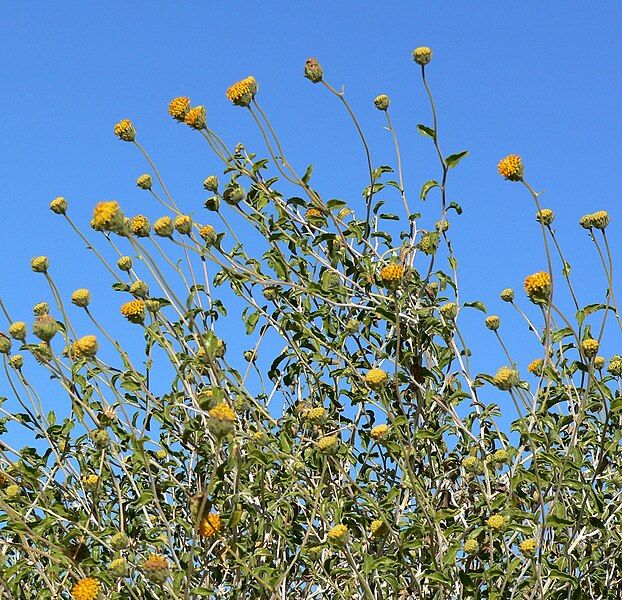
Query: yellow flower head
point(599, 362)
point(125, 263)
point(535, 366)
point(545, 216)
point(315, 415)
point(378, 528)
point(313, 70)
point(134, 311)
point(493, 322)
point(471, 546)
point(125, 131)
point(589, 347)
point(85, 347)
point(223, 412)
point(314, 215)
point(339, 535)
point(538, 287)
point(222, 420)
point(382, 102)
point(86, 589)
point(18, 330)
point(144, 182)
point(507, 295)
point(164, 227)
point(422, 55)
point(449, 310)
point(472, 464)
point(107, 216)
point(511, 167)
point(81, 297)
point(496, 522)
point(183, 224)
point(500, 456)
point(327, 444)
point(242, 92)
point(208, 233)
point(140, 226)
point(196, 118)
point(600, 219)
point(40, 264)
point(528, 547)
point(380, 432)
point(615, 366)
point(90, 482)
point(59, 205)
point(210, 525)
point(118, 567)
point(506, 378)
point(391, 275)
point(178, 108)
point(375, 377)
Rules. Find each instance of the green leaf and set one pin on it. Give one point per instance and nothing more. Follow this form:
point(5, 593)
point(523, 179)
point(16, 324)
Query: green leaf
point(426, 187)
point(453, 159)
point(307, 175)
point(427, 131)
point(477, 304)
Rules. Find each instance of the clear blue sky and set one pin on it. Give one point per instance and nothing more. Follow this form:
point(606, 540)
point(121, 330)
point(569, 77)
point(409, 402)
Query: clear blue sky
point(539, 79)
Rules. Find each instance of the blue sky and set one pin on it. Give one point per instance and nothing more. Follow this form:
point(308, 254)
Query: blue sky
point(538, 79)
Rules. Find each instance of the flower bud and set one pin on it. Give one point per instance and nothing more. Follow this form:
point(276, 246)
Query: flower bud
point(40, 264)
point(5, 344)
point(212, 203)
point(59, 205)
point(545, 216)
point(422, 55)
point(125, 131)
point(140, 289)
point(18, 330)
point(382, 102)
point(313, 70)
point(163, 227)
point(493, 322)
point(183, 224)
point(16, 361)
point(211, 184)
point(507, 295)
point(233, 194)
point(144, 182)
point(125, 263)
point(81, 298)
point(45, 327)
point(600, 219)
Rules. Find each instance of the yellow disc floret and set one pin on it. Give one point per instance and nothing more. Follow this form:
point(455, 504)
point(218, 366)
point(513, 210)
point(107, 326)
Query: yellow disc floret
point(178, 108)
point(242, 92)
point(375, 377)
point(210, 525)
point(85, 347)
point(134, 311)
point(391, 275)
point(422, 55)
point(125, 131)
point(196, 118)
point(496, 522)
point(511, 167)
point(535, 366)
point(538, 287)
point(380, 432)
point(107, 216)
point(506, 378)
point(85, 589)
point(338, 535)
point(589, 347)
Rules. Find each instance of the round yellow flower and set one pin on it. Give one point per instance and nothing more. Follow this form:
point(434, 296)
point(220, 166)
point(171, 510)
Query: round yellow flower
point(40, 264)
point(586, 221)
point(535, 366)
point(615, 366)
point(507, 295)
point(86, 589)
point(449, 310)
point(493, 322)
point(59, 205)
point(496, 522)
point(589, 347)
point(545, 216)
point(600, 219)
point(528, 547)
point(375, 377)
point(81, 297)
point(382, 102)
point(125, 131)
point(380, 432)
point(315, 415)
point(18, 330)
point(183, 224)
point(471, 546)
point(506, 378)
point(511, 167)
point(327, 444)
point(599, 362)
point(118, 567)
point(313, 70)
point(210, 525)
point(196, 118)
point(134, 311)
point(140, 226)
point(144, 182)
point(313, 215)
point(208, 233)
point(339, 535)
point(378, 528)
point(472, 464)
point(125, 263)
point(178, 108)
point(164, 227)
point(242, 92)
point(85, 347)
point(538, 287)
point(222, 419)
point(500, 456)
point(422, 55)
point(107, 216)
point(391, 275)
point(16, 361)
point(90, 482)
